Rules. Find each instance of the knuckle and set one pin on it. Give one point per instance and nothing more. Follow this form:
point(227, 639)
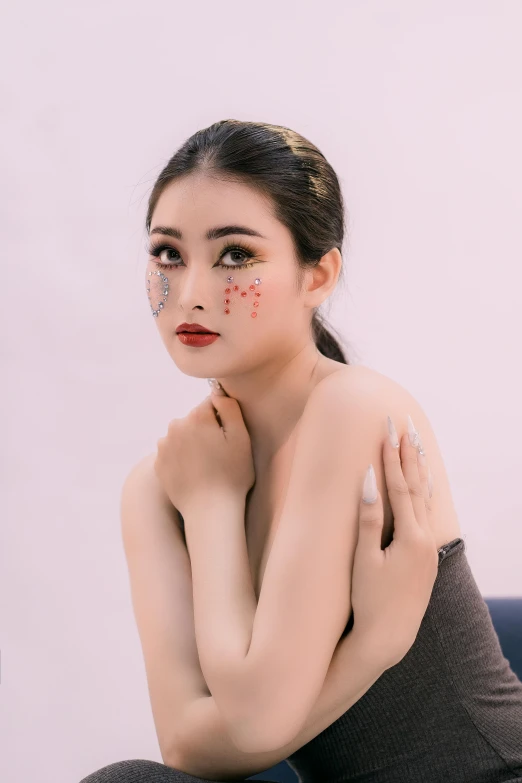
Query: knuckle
point(416, 490)
point(371, 514)
point(371, 520)
point(399, 487)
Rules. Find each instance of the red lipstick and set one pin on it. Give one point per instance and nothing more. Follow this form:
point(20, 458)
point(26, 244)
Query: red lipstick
point(195, 335)
point(197, 340)
point(185, 327)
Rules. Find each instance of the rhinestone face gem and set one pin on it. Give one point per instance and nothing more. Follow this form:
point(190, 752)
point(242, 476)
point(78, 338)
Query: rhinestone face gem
point(227, 301)
point(236, 288)
point(229, 279)
point(255, 304)
point(227, 310)
point(243, 293)
point(161, 289)
point(227, 290)
point(253, 315)
point(252, 287)
point(258, 293)
point(257, 280)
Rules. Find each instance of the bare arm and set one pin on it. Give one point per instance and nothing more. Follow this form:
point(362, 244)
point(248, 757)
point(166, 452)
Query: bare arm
point(265, 665)
point(190, 728)
point(191, 731)
point(382, 583)
point(208, 751)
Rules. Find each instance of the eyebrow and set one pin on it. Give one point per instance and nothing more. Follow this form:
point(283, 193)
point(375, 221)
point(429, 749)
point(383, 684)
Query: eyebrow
point(212, 233)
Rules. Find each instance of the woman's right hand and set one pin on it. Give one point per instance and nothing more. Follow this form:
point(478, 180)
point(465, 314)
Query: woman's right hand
point(391, 588)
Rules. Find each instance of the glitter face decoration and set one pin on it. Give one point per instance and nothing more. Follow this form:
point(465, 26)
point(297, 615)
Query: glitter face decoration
point(232, 291)
point(160, 286)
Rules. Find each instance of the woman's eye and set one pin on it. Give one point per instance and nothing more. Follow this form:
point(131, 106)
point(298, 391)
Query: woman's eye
point(166, 250)
point(238, 257)
point(234, 253)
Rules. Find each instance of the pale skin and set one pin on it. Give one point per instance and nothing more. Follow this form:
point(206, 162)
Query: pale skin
point(269, 367)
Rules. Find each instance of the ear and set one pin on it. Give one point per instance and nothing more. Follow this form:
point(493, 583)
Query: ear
point(321, 280)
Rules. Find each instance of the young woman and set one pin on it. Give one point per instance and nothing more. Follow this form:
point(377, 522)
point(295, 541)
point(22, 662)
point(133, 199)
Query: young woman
point(281, 616)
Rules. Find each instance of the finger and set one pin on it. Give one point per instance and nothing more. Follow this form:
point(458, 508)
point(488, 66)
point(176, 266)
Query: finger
point(405, 524)
point(229, 412)
point(410, 469)
point(423, 474)
point(371, 517)
point(211, 411)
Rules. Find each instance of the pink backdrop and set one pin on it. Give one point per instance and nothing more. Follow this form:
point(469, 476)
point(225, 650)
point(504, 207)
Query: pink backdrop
point(418, 108)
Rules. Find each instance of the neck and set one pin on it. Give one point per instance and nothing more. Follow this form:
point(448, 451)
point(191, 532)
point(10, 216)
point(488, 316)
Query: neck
point(273, 398)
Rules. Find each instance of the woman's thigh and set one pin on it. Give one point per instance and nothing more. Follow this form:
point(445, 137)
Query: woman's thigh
point(145, 771)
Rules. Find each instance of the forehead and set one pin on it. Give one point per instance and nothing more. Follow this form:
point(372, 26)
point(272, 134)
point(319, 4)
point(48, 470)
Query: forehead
point(198, 202)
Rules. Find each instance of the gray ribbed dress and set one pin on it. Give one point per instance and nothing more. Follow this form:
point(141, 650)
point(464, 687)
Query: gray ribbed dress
point(449, 712)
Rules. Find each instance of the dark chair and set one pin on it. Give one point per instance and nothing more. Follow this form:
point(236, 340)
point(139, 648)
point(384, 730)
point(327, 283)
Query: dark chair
point(506, 614)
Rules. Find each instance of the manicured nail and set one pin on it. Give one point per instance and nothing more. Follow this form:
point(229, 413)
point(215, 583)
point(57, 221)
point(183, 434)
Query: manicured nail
point(216, 387)
point(412, 433)
point(370, 486)
point(394, 440)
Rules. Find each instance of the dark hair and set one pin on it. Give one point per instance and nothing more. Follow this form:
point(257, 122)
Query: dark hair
point(290, 171)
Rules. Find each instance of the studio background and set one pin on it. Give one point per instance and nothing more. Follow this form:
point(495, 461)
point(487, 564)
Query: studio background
point(418, 108)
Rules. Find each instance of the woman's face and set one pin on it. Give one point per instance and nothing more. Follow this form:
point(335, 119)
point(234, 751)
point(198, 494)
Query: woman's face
point(259, 314)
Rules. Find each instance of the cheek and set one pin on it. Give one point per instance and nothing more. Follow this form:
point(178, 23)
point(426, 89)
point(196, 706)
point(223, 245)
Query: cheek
point(157, 287)
point(243, 296)
point(240, 296)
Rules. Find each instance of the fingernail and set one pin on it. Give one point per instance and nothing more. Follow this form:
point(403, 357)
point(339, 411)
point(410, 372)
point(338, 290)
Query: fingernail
point(412, 433)
point(394, 440)
point(370, 486)
point(430, 482)
point(215, 387)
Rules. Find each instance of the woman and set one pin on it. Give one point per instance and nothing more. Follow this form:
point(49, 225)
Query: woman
point(273, 623)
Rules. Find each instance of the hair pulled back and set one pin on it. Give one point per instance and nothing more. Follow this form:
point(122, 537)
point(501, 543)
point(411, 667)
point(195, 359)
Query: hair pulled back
point(286, 168)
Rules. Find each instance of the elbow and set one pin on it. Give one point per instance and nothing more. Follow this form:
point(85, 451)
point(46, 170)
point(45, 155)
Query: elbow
point(269, 717)
point(174, 754)
point(262, 734)
point(260, 714)
point(174, 758)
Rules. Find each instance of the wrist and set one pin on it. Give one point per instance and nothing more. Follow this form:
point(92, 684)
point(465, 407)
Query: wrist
point(369, 650)
point(215, 499)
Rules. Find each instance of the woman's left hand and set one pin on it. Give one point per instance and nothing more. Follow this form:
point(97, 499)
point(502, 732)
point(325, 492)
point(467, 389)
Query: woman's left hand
point(200, 456)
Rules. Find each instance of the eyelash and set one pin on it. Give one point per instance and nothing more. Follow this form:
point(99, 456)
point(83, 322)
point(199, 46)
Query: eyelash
point(156, 250)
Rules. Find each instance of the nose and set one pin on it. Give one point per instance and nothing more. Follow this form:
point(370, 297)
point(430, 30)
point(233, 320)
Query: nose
point(196, 289)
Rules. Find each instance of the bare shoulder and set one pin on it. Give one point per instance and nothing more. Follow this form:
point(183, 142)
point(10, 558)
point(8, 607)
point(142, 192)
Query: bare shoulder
point(142, 475)
point(358, 378)
point(363, 398)
point(142, 487)
point(372, 390)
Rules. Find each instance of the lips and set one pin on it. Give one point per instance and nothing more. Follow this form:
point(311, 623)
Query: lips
point(197, 340)
point(193, 329)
